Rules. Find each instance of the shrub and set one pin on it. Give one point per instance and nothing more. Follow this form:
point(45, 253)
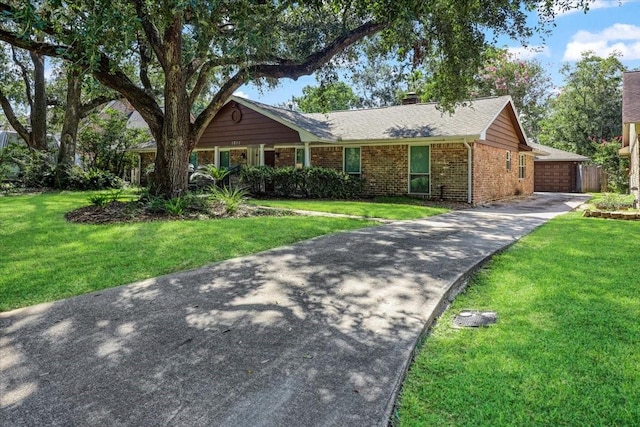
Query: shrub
point(232, 199)
point(208, 174)
point(93, 179)
point(99, 200)
point(175, 206)
point(613, 202)
point(315, 182)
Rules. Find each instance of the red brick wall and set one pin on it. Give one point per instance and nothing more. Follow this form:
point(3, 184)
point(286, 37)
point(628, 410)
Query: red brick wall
point(235, 157)
point(327, 157)
point(285, 157)
point(449, 168)
point(384, 169)
point(206, 157)
point(492, 181)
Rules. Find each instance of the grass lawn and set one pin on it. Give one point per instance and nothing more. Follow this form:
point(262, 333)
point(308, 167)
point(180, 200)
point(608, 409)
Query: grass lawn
point(566, 348)
point(392, 208)
point(45, 258)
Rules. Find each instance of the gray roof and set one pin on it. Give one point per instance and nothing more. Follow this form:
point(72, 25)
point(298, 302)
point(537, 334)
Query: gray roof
point(556, 155)
point(403, 121)
point(631, 97)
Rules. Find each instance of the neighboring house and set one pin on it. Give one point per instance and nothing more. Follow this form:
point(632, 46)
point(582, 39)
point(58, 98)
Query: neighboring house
point(557, 170)
point(477, 154)
point(631, 128)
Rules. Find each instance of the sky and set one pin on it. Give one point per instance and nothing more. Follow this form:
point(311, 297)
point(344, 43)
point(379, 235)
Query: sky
point(608, 26)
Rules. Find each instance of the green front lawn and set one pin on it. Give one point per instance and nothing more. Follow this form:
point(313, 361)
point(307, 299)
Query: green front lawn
point(397, 210)
point(566, 348)
point(45, 258)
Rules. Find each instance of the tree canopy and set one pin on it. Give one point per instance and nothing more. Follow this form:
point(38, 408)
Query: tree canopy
point(219, 46)
point(588, 107)
point(326, 97)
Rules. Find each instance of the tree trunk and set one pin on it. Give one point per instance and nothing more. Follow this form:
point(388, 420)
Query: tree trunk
point(170, 178)
point(39, 110)
point(69, 136)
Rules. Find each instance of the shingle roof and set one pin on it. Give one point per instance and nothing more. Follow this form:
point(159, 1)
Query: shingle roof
point(403, 121)
point(556, 155)
point(631, 97)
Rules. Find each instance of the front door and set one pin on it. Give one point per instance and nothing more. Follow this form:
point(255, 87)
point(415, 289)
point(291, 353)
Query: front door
point(269, 160)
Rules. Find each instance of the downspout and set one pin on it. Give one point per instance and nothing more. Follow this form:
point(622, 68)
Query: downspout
point(469, 171)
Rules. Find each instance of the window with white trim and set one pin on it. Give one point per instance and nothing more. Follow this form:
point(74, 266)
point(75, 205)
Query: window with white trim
point(508, 160)
point(352, 160)
point(521, 166)
point(419, 170)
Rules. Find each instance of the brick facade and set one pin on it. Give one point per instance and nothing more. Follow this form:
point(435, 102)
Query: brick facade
point(327, 157)
point(146, 159)
point(449, 168)
point(206, 158)
point(492, 180)
point(285, 157)
point(384, 169)
point(236, 158)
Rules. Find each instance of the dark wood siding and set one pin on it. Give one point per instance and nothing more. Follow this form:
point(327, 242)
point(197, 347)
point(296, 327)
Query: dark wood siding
point(502, 132)
point(558, 177)
point(236, 125)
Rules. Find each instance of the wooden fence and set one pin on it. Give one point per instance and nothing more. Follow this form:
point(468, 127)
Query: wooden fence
point(591, 178)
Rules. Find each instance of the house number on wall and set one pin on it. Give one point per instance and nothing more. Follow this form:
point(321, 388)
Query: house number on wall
point(235, 142)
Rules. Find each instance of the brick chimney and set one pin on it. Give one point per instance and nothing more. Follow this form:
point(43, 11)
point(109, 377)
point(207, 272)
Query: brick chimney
point(411, 98)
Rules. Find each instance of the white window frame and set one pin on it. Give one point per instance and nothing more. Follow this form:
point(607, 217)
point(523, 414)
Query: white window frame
point(522, 166)
point(424, 174)
point(508, 160)
point(344, 161)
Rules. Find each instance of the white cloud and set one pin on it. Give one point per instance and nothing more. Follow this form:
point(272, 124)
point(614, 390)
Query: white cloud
point(530, 52)
point(597, 4)
point(621, 38)
point(241, 94)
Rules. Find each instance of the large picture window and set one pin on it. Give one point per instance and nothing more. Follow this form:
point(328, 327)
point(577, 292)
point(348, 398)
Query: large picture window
point(419, 170)
point(352, 160)
point(521, 166)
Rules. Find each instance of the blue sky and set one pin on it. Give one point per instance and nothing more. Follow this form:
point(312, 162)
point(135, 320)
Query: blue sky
point(608, 26)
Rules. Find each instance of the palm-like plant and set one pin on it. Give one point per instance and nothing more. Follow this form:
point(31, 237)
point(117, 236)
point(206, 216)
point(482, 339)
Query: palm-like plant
point(210, 173)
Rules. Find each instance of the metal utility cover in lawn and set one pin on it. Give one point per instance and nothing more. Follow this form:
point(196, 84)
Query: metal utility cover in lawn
point(475, 318)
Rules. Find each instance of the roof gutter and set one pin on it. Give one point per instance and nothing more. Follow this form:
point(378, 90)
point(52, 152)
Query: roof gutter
point(469, 171)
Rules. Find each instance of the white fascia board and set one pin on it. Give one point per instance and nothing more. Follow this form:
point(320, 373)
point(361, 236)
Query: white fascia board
point(408, 141)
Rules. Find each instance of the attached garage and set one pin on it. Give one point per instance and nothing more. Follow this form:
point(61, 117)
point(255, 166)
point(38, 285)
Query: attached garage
point(556, 170)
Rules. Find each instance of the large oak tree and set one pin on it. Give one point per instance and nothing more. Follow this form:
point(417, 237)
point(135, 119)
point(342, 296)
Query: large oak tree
point(224, 44)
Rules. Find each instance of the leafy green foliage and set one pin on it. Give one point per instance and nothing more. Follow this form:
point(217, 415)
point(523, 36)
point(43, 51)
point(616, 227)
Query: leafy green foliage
point(103, 142)
point(613, 201)
point(92, 179)
point(526, 81)
point(209, 175)
point(231, 198)
point(606, 155)
point(99, 199)
point(314, 182)
point(587, 108)
point(332, 96)
point(175, 206)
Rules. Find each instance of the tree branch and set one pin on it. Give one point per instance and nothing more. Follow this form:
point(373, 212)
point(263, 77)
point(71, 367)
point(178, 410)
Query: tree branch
point(150, 30)
point(24, 72)
point(13, 120)
point(92, 104)
point(290, 70)
point(103, 72)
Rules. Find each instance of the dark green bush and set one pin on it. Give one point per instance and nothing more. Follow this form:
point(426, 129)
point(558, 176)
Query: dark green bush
point(93, 179)
point(314, 182)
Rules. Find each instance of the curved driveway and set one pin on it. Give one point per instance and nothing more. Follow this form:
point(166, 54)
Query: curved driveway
point(317, 333)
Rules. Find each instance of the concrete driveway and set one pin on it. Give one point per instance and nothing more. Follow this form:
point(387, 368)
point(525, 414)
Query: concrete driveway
point(318, 333)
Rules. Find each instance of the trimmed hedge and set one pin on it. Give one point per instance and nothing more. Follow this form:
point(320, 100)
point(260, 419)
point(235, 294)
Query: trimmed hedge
point(313, 183)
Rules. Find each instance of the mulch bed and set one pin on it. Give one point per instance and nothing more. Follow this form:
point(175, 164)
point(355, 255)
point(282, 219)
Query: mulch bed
point(118, 212)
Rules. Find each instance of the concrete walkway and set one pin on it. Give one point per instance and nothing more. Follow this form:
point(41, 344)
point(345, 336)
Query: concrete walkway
point(318, 333)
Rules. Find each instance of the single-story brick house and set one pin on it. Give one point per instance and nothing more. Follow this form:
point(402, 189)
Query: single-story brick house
point(477, 154)
point(631, 129)
point(556, 170)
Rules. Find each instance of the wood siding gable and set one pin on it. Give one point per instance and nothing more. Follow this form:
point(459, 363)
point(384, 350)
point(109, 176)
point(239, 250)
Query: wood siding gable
point(238, 125)
point(505, 132)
